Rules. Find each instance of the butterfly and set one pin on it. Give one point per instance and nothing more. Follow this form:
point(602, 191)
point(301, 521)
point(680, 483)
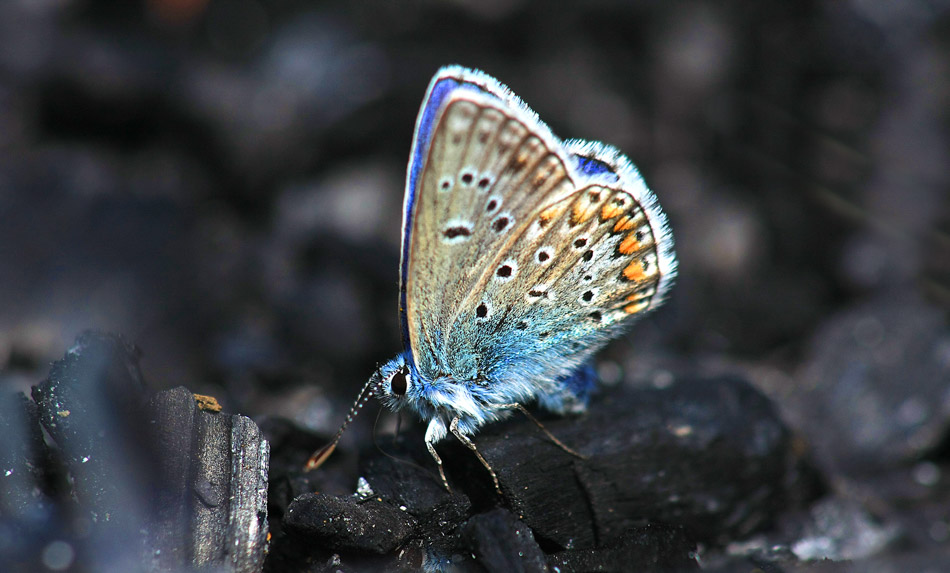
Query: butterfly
point(522, 255)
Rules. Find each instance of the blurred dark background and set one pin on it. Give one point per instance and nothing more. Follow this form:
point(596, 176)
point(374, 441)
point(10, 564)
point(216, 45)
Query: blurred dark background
point(221, 181)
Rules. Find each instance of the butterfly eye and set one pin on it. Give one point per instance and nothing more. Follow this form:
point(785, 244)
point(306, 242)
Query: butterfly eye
point(399, 383)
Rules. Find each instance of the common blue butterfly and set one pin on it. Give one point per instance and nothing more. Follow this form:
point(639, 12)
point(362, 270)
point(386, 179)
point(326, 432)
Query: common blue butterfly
point(522, 255)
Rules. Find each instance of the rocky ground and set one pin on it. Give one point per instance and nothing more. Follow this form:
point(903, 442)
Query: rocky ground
point(219, 185)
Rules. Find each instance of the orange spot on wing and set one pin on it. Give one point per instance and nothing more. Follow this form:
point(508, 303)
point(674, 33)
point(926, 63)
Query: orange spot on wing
point(548, 214)
point(638, 300)
point(636, 307)
point(639, 295)
point(629, 245)
point(542, 174)
point(634, 271)
point(610, 211)
point(624, 223)
point(518, 162)
point(583, 210)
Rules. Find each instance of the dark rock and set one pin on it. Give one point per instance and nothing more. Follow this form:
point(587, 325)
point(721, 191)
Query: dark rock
point(212, 503)
point(92, 406)
point(162, 484)
point(650, 547)
point(22, 459)
point(399, 470)
point(500, 542)
point(710, 455)
point(345, 524)
point(28, 516)
point(700, 461)
point(402, 476)
point(291, 444)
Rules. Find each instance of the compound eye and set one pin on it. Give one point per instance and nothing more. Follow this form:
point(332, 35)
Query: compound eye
point(399, 383)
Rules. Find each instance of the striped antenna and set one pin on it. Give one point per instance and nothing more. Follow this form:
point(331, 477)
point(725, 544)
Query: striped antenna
point(368, 391)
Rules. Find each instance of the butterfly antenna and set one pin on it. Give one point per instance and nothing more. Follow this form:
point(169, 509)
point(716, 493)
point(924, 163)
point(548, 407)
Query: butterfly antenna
point(369, 390)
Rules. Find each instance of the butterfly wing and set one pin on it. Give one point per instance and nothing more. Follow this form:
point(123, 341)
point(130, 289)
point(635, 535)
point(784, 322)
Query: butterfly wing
point(586, 265)
point(526, 253)
point(472, 180)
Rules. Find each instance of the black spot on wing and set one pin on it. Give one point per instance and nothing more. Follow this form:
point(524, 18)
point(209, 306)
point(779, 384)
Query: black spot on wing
point(453, 232)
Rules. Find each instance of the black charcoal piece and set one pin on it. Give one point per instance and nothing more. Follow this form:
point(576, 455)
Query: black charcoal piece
point(406, 478)
point(212, 508)
point(164, 485)
point(346, 524)
point(500, 542)
point(651, 547)
point(22, 454)
point(92, 406)
point(27, 495)
point(703, 460)
point(711, 454)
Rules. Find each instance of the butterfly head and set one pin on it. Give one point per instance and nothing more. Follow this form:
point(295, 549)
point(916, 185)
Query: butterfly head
point(396, 384)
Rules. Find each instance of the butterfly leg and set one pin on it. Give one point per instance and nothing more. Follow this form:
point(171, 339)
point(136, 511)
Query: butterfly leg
point(547, 433)
point(434, 432)
point(454, 428)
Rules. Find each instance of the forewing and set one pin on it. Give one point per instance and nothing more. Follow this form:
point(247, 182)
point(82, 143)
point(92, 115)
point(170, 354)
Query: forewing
point(484, 175)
